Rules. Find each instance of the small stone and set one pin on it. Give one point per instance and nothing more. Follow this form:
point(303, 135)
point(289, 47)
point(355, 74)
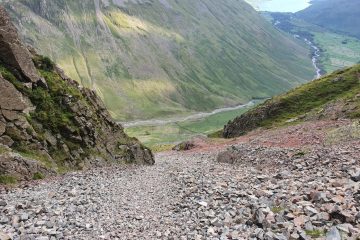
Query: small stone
point(294, 236)
point(299, 221)
point(202, 203)
point(333, 234)
point(15, 221)
point(72, 193)
point(4, 236)
point(24, 217)
point(323, 216)
point(260, 216)
point(211, 231)
point(216, 222)
point(3, 203)
point(39, 223)
point(4, 220)
point(355, 176)
point(310, 211)
point(139, 217)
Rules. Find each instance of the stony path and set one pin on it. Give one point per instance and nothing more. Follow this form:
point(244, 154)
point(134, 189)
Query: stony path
point(268, 193)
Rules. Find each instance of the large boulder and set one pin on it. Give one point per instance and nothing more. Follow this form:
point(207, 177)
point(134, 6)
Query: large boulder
point(12, 52)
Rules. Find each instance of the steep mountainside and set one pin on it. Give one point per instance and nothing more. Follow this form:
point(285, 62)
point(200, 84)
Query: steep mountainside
point(338, 15)
point(48, 123)
point(331, 97)
point(151, 58)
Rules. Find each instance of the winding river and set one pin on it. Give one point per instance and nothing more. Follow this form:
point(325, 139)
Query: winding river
point(315, 57)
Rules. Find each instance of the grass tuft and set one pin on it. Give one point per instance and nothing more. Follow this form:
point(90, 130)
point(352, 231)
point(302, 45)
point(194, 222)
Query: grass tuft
point(38, 176)
point(7, 179)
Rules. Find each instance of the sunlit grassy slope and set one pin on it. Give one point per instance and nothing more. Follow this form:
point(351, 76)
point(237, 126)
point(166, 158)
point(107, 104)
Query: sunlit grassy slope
point(333, 96)
point(159, 58)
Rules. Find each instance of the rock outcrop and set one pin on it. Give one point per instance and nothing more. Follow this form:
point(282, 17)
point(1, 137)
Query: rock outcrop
point(48, 123)
point(11, 48)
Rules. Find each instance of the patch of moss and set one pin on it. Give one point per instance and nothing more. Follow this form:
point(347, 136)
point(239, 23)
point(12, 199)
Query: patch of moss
point(162, 147)
point(315, 233)
point(38, 176)
point(217, 134)
point(3, 149)
point(277, 209)
point(34, 154)
point(7, 179)
point(44, 63)
point(52, 111)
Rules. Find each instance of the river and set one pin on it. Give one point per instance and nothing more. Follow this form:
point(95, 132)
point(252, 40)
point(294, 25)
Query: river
point(315, 57)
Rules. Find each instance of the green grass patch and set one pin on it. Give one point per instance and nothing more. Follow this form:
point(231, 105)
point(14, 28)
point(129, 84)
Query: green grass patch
point(38, 176)
point(216, 134)
point(315, 233)
point(7, 179)
point(3, 149)
point(277, 209)
point(308, 97)
point(160, 138)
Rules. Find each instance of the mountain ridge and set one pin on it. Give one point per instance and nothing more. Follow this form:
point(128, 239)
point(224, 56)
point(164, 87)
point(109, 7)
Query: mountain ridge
point(191, 57)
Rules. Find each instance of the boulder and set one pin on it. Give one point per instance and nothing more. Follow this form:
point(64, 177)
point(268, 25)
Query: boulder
point(12, 52)
point(333, 234)
point(227, 156)
point(10, 97)
point(184, 146)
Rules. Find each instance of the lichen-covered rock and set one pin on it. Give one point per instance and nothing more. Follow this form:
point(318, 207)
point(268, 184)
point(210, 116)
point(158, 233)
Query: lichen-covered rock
point(49, 118)
point(184, 146)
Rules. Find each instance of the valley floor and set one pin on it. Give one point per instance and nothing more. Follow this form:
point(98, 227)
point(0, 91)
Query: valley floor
point(298, 182)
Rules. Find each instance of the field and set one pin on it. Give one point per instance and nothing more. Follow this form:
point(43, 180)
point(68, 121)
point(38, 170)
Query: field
point(338, 50)
point(159, 137)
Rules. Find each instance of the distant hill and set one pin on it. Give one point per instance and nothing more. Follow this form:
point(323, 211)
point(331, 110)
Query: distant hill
point(149, 59)
point(338, 15)
point(334, 96)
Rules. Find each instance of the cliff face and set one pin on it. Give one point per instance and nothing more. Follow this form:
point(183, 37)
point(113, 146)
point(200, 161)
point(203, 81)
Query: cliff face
point(334, 96)
point(48, 123)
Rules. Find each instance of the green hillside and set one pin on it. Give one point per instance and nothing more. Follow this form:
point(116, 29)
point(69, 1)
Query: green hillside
point(164, 57)
point(342, 16)
point(334, 96)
